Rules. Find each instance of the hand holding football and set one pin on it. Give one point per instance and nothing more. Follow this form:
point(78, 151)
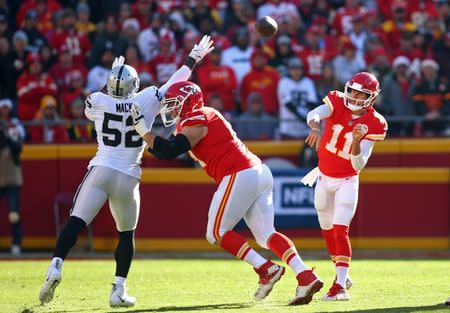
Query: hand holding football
point(266, 27)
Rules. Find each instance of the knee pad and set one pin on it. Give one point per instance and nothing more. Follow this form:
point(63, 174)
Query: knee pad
point(13, 217)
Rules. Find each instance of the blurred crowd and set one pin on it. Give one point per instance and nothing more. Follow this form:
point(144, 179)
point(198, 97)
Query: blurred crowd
point(54, 53)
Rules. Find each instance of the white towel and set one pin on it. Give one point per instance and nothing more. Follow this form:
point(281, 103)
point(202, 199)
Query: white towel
point(310, 178)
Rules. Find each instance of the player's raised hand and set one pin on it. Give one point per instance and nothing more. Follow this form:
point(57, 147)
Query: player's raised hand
point(118, 61)
point(138, 120)
point(201, 49)
point(359, 131)
point(313, 139)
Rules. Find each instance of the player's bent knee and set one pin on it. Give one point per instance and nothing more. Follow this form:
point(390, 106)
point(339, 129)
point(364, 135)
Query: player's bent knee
point(13, 217)
point(262, 239)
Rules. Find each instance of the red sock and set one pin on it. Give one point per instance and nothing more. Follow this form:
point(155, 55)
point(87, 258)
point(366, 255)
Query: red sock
point(282, 246)
point(328, 234)
point(235, 244)
point(343, 247)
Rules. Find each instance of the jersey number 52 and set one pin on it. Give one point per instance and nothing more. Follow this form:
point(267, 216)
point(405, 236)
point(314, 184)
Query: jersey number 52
point(114, 137)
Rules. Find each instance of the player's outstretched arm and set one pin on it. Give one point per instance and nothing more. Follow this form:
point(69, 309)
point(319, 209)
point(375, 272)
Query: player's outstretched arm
point(198, 52)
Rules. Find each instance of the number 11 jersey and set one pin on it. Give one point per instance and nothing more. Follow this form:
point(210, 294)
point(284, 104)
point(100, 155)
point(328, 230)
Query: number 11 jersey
point(119, 145)
point(336, 143)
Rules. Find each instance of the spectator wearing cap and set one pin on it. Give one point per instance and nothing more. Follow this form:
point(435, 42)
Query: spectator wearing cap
point(255, 123)
point(283, 52)
point(61, 70)
point(219, 79)
point(148, 40)
point(131, 30)
point(381, 64)
point(393, 28)
point(74, 90)
point(441, 51)
point(406, 48)
point(396, 98)
point(32, 85)
point(314, 55)
point(35, 38)
point(49, 128)
point(263, 79)
point(165, 63)
point(79, 129)
point(238, 55)
point(342, 20)
point(98, 75)
point(83, 24)
point(297, 95)
point(16, 62)
point(12, 134)
point(109, 39)
point(358, 34)
point(79, 44)
point(432, 99)
point(347, 63)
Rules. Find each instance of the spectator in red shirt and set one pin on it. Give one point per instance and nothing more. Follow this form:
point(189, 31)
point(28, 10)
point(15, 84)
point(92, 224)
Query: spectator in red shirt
point(399, 23)
point(313, 56)
point(263, 79)
point(61, 70)
point(131, 30)
point(165, 63)
point(220, 79)
point(79, 44)
point(342, 22)
point(75, 89)
point(50, 129)
point(32, 85)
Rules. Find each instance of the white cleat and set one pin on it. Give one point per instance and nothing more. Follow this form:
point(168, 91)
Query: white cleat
point(118, 297)
point(308, 284)
point(51, 282)
point(336, 293)
point(269, 273)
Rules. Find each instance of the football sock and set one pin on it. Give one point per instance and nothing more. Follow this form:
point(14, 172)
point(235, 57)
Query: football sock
point(124, 253)
point(118, 280)
point(284, 248)
point(343, 253)
point(328, 235)
point(239, 247)
point(68, 236)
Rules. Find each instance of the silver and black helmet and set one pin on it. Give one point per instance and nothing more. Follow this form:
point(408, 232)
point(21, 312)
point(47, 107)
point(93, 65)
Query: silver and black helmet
point(123, 81)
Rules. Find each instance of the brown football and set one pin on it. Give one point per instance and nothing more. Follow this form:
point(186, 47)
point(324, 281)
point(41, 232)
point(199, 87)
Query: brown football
point(266, 27)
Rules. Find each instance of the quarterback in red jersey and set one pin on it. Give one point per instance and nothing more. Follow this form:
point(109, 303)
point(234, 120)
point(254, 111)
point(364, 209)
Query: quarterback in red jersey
point(245, 186)
point(352, 127)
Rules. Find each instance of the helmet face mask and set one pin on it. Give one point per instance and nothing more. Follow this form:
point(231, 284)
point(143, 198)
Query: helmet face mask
point(364, 83)
point(123, 82)
point(180, 99)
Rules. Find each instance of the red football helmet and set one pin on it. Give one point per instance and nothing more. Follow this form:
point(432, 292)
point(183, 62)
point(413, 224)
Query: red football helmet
point(180, 99)
point(363, 82)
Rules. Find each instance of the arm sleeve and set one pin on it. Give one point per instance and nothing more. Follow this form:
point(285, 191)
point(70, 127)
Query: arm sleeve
point(321, 112)
point(360, 160)
point(182, 74)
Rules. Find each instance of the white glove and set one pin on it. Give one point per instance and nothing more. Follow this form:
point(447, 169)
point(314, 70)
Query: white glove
point(201, 49)
point(118, 61)
point(138, 121)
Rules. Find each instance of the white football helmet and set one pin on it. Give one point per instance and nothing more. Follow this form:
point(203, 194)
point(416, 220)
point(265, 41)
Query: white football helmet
point(123, 82)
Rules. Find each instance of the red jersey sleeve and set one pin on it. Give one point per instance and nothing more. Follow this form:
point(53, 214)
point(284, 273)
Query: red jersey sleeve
point(377, 128)
point(195, 118)
point(335, 102)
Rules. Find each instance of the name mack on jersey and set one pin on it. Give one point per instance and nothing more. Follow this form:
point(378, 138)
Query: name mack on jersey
point(123, 107)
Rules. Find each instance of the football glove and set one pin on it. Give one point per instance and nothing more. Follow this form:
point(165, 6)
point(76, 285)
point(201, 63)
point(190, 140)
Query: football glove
point(118, 61)
point(201, 49)
point(138, 121)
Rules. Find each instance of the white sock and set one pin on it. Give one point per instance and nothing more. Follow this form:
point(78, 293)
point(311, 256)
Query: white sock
point(57, 262)
point(341, 273)
point(120, 280)
point(297, 265)
point(254, 259)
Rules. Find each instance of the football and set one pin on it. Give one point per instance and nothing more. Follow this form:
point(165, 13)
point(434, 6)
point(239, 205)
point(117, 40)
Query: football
point(266, 27)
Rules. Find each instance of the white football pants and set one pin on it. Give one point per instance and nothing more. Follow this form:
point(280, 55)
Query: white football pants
point(335, 200)
point(102, 183)
point(246, 194)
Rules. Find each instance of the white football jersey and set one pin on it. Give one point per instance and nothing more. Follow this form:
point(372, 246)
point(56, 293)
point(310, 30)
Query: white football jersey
point(119, 145)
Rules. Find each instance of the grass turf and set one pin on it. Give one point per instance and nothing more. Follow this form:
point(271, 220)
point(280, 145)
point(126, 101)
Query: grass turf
point(224, 286)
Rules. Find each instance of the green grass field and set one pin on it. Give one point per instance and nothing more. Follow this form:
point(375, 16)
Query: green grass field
point(224, 286)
